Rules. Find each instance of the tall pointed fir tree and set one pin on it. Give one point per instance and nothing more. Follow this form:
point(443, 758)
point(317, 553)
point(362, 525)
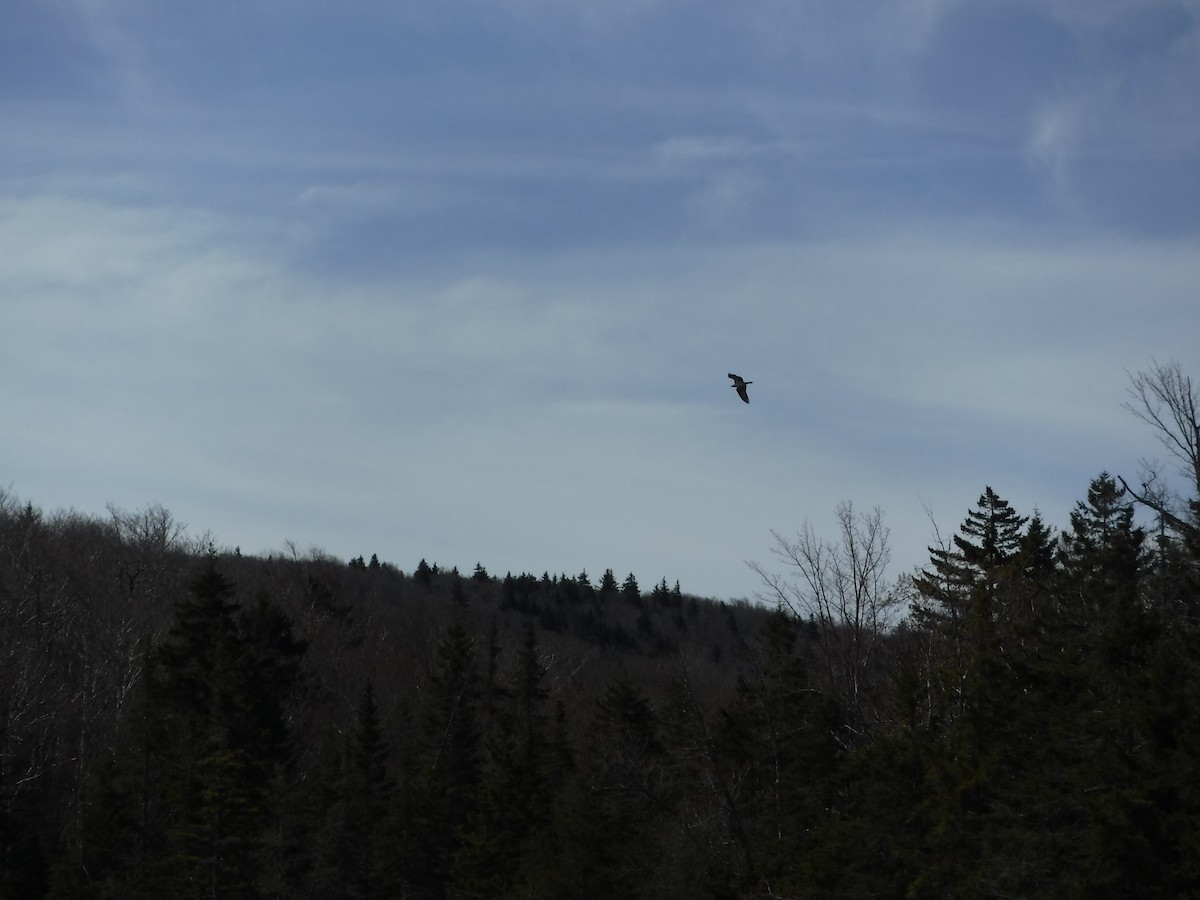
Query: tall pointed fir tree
point(518, 778)
point(778, 746)
point(960, 595)
point(443, 797)
point(964, 599)
point(610, 818)
point(1102, 555)
point(350, 843)
point(226, 675)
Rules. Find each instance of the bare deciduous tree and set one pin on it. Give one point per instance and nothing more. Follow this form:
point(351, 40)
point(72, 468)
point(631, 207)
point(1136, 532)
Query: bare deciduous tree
point(1165, 399)
point(841, 587)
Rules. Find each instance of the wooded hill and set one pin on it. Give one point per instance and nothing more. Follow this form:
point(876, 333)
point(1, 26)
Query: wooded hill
point(183, 721)
point(179, 721)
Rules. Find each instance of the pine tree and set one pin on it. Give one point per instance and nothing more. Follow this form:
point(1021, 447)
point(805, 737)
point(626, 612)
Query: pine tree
point(610, 819)
point(445, 795)
point(968, 601)
point(608, 583)
point(351, 838)
point(962, 595)
point(629, 590)
point(1103, 555)
point(777, 741)
point(225, 678)
point(987, 541)
point(517, 781)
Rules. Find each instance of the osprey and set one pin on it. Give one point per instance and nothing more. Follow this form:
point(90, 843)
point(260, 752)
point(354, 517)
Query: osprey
point(739, 385)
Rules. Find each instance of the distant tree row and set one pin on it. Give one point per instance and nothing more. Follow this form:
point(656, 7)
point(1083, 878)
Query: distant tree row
point(179, 721)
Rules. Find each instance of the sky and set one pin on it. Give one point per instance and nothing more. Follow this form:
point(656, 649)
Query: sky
point(462, 281)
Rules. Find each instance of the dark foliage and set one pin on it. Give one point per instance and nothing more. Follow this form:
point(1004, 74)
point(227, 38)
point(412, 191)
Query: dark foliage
point(180, 722)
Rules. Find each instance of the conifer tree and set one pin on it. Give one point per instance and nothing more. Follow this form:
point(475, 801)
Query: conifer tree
point(987, 540)
point(225, 679)
point(446, 791)
point(609, 822)
point(608, 583)
point(517, 781)
point(962, 596)
point(350, 841)
point(1103, 554)
point(629, 589)
point(778, 742)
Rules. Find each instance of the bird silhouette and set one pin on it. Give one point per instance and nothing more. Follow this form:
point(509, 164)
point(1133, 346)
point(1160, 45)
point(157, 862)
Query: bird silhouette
point(739, 385)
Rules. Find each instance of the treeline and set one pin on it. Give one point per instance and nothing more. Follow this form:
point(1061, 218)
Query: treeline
point(1018, 718)
point(181, 721)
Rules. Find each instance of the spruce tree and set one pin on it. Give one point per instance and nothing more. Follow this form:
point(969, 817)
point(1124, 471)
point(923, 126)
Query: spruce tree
point(445, 795)
point(225, 679)
point(987, 540)
point(962, 594)
point(517, 781)
point(610, 819)
point(608, 583)
point(351, 839)
point(629, 589)
point(1103, 556)
point(966, 605)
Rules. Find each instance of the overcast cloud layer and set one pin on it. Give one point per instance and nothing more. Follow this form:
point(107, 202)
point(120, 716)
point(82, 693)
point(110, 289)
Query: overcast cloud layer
point(462, 281)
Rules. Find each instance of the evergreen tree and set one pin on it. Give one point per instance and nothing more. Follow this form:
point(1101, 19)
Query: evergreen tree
point(268, 669)
point(629, 589)
point(225, 678)
point(970, 606)
point(445, 795)
point(777, 741)
point(964, 594)
point(1103, 556)
point(989, 538)
point(351, 840)
point(518, 778)
point(661, 595)
point(1027, 620)
point(608, 822)
point(200, 647)
point(608, 583)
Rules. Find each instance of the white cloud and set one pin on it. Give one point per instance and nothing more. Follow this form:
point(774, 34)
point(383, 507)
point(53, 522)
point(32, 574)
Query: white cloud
point(442, 304)
point(1053, 142)
point(710, 148)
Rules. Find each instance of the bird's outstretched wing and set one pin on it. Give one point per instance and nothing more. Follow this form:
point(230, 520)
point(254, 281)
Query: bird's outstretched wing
point(739, 385)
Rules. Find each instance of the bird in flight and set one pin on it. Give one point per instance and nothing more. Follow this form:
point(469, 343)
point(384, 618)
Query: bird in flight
point(739, 385)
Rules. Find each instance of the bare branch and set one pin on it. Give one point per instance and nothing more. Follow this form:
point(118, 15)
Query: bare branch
point(1155, 501)
point(842, 588)
point(1165, 399)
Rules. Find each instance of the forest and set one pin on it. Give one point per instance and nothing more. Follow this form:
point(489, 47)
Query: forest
point(1015, 718)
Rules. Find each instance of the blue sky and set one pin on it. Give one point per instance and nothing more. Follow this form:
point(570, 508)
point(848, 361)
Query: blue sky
point(462, 281)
